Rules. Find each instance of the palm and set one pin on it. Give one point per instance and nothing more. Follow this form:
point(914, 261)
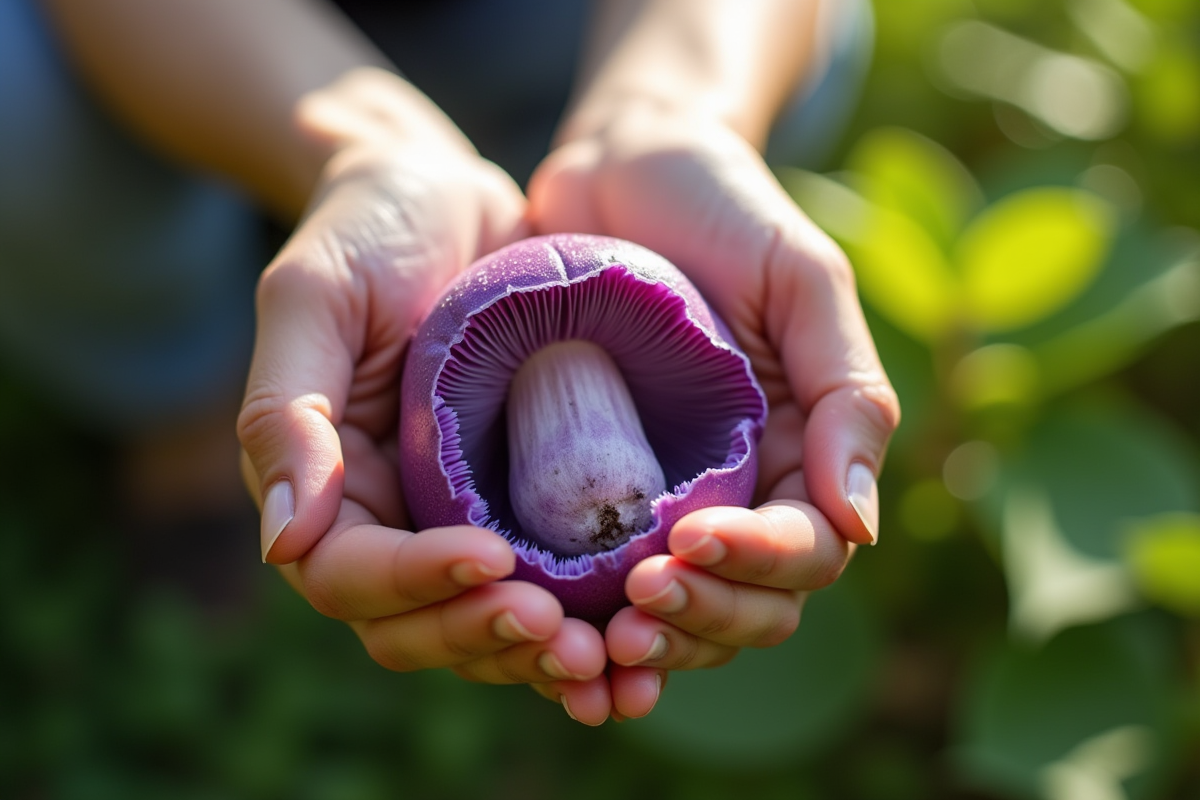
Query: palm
point(384, 239)
point(699, 202)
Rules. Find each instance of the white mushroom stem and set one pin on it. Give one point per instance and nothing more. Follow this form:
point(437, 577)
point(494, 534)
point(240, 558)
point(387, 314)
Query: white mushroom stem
point(581, 473)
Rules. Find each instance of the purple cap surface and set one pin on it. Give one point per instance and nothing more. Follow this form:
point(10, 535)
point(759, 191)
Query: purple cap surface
point(695, 393)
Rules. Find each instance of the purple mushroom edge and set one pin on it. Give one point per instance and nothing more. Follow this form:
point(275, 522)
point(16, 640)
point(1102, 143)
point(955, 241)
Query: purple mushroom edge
point(695, 392)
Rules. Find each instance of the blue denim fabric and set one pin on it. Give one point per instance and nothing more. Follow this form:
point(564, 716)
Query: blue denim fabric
point(126, 284)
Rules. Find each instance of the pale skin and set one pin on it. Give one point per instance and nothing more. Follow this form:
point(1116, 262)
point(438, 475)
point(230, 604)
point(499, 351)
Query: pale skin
point(660, 146)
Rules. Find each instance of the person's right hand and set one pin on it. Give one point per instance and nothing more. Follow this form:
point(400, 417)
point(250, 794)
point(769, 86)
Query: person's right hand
point(403, 206)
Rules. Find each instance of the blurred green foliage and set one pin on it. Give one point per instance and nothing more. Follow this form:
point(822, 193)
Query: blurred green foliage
point(1018, 197)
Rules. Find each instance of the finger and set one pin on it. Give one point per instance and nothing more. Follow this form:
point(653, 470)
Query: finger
point(589, 702)
point(635, 690)
point(295, 394)
point(847, 437)
point(781, 449)
point(715, 609)
point(814, 318)
point(370, 473)
point(364, 571)
point(636, 639)
point(560, 195)
point(482, 621)
point(575, 653)
point(785, 544)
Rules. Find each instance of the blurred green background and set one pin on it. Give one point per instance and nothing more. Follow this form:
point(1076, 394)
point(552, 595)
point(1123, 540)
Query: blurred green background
point(1019, 196)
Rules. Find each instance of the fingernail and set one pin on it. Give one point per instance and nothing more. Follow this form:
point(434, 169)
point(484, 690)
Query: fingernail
point(567, 709)
point(279, 509)
point(658, 684)
point(863, 494)
point(548, 663)
point(509, 628)
point(670, 600)
point(657, 692)
point(473, 573)
point(707, 551)
point(658, 649)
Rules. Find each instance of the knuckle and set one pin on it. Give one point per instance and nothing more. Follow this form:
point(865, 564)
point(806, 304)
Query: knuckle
point(284, 278)
point(384, 653)
point(823, 258)
point(261, 413)
point(686, 650)
point(726, 617)
point(413, 594)
point(326, 599)
point(781, 628)
point(457, 650)
point(761, 569)
point(827, 571)
point(881, 405)
point(834, 263)
point(724, 657)
point(507, 673)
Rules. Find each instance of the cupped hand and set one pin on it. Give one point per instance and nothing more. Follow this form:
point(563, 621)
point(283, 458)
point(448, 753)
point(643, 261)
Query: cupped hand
point(696, 192)
point(393, 221)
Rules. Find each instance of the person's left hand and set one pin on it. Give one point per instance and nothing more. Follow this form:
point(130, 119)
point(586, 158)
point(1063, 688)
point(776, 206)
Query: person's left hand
point(694, 191)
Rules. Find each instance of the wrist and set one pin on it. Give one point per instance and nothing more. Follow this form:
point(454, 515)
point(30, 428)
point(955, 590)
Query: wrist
point(603, 113)
point(369, 111)
point(722, 61)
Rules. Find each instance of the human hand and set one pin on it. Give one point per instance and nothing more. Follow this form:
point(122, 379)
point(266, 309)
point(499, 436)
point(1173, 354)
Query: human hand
point(402, 207)
point(695, 191)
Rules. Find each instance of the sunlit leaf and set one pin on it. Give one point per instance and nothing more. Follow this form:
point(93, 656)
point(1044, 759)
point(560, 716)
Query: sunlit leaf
point(908, 173)
point(1164, 554)
point(1087, 472)
point(774, 706)
point(1086, 710)
point(1103, 466)
point(928, 511)
point(910, 368)
point(1053, 585)
point(901, 270)
point(836, 208)
point(1168, 94)
point(1114, 338)
point(903, 274)
point(998, 374)
point(1031, 253)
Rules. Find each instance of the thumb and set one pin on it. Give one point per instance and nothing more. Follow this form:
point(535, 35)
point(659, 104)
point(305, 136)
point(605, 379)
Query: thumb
point(836, 375)
point(295, 395)
point(561, 196)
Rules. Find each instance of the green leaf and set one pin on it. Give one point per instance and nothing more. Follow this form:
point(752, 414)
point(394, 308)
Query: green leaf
point(910, 368)
point(776, 706)
point(1164, 555)
point(1106, 465)
point(1030, 254)
point(1087, 472)
point(835, 207)
point(902, 272)
point(996, 375)
point(1114, 338)
point(908, 173)
point(1051, 584)
point(904, 276)
point(1081, 717)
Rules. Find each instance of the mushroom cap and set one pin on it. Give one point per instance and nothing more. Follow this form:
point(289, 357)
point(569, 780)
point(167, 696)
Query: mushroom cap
point(695, 392)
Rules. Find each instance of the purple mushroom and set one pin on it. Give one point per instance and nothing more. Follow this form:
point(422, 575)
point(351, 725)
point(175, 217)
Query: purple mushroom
point(576, 394)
